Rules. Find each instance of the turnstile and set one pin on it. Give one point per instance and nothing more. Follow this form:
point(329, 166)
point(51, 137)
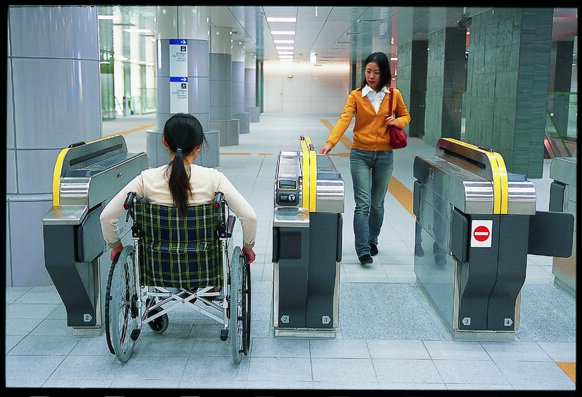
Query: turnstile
point(475, 225)
point(86, 176)
point(563, 198)
point(307, 241)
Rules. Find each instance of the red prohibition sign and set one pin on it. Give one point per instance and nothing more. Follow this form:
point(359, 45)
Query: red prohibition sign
point(481, 233)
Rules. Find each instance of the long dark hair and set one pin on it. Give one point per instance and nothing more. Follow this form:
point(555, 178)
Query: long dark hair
point(183, 133)
point(384, 64)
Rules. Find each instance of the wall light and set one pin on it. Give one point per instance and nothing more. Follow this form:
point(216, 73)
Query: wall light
point(313, 58)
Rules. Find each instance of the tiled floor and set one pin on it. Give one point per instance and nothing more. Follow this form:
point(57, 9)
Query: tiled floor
point(388, 337)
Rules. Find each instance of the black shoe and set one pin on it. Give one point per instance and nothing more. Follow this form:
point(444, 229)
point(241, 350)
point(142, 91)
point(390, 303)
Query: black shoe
point(365, 259)
point(373, 249)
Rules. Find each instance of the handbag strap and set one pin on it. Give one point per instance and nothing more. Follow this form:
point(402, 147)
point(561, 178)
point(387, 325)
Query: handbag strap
point(390, 102)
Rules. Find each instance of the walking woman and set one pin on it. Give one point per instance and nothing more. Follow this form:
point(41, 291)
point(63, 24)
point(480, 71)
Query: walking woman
point(371, 157)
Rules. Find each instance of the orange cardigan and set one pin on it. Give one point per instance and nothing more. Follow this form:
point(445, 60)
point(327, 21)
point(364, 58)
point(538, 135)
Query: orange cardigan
point(370, 129)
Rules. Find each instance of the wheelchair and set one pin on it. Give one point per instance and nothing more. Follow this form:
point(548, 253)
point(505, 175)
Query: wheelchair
point(176, 261)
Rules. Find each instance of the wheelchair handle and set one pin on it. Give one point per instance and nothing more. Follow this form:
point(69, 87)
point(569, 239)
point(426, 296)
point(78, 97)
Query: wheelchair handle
point(129, 200)
point(218, 199)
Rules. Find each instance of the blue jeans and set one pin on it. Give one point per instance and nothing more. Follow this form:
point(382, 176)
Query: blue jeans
point(371, 172)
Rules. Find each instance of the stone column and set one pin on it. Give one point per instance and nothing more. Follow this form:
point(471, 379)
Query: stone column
point(445, 84)
point(238, 87)
point(53, 100)
point(505, 105)
point(251, 88)
point(221, 86)
point(183, 32)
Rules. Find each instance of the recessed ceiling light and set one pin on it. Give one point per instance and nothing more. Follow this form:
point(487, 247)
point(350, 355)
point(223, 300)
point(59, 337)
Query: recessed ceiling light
point(280, 19)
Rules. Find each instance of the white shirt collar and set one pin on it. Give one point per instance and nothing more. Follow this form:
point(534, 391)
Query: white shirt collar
point(367, 89)
point(374, 97)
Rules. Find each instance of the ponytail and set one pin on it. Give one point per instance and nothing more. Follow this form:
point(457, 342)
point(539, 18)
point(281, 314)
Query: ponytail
point(179, 183)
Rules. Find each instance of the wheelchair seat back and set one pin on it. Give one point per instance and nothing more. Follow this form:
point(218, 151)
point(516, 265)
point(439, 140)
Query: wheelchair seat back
point(179, 252)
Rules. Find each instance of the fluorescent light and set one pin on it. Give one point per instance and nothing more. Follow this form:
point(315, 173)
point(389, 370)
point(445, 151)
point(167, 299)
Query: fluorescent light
point(286, 32)
point(277, 19)
point(284, 41)
point(110, 17)
point(285, 52)
point(284, 47)
point(135, 30)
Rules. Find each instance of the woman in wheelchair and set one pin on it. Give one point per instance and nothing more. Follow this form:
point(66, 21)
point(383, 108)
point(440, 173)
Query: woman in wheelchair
point(142, 278)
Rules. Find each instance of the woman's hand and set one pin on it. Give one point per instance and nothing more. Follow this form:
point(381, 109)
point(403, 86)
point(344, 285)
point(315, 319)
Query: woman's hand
point(326, 148)
point(250, 254)
point(391, 120)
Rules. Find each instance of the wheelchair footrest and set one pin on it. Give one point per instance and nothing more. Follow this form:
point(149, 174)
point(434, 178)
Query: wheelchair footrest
point(135, 334)
point(223, 334)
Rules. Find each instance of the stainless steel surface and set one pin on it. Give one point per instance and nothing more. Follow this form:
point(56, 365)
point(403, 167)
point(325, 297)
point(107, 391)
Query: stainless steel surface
point(305, 332)
point(291, 217)
point(521, 198)
point(92, 173)
point(329, 187)
point(563, 169)
point(467, 191)
point(67, 215)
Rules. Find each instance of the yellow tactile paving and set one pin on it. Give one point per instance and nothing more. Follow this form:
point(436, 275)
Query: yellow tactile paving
point(138, 128)
point(569, 369)
point(401, 193)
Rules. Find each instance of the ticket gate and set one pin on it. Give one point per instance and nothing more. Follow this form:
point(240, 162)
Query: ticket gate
point(307, 242)
point(475, 225)
point(86, 176)
point(563, 198)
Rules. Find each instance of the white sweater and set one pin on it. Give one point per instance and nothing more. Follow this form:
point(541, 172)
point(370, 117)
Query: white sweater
point(153, 185)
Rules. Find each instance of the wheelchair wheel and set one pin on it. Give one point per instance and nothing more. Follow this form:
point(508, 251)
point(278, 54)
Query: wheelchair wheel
point(160, 324)
point(123, 305)
point(107, 318)
point(235, 321)
point(246, 307)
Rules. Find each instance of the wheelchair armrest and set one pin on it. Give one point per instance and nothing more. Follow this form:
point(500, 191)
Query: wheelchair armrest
point(230, 225)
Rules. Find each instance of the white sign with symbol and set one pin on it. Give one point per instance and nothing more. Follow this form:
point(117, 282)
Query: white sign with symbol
point(481, 231)
point(178, 57)
point(178, 76)
point(178, 94)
